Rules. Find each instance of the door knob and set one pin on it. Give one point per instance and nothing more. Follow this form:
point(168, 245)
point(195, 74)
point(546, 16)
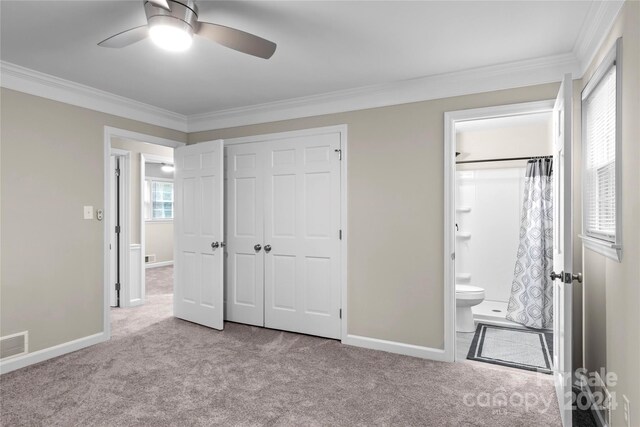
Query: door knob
point(555, 276)
point(577, 277)
point(257, 247)
point(267, 248)
point(215, 245)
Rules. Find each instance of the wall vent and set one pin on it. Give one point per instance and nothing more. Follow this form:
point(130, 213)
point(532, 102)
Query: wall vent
point(150, 258)
point(14, 345)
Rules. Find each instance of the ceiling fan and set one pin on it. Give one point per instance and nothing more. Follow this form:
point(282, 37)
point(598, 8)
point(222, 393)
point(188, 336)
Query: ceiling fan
point(171, 24)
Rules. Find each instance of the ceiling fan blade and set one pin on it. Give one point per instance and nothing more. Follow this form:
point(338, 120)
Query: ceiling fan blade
point(126, 37)
point(160, 3)
point(237, 40)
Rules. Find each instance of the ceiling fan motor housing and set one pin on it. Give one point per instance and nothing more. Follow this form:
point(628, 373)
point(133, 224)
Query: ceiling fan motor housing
point(183, 15)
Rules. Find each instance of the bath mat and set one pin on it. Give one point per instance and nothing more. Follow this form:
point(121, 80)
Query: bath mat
point(528, 349)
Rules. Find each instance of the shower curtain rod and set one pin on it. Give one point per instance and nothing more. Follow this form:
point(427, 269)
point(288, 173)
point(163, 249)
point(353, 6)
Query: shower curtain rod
point(504, 160)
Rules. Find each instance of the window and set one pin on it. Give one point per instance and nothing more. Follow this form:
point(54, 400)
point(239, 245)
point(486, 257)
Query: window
point(601, 162)
point(158, 200)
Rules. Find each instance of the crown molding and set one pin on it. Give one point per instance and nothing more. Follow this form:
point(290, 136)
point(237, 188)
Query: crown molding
point(595, 28)
point(597, 24)
point(485, 79)
point(33, 82)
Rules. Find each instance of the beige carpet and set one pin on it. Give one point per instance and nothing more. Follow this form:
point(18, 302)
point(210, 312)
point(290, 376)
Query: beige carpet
point(157, 370)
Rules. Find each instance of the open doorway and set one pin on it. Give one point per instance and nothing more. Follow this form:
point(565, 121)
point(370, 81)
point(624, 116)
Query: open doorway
point(138, 228)
point(504, 238)
point(157, 231)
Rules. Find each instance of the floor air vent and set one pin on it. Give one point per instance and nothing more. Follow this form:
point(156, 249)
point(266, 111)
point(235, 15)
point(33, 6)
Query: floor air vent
point(14, 345)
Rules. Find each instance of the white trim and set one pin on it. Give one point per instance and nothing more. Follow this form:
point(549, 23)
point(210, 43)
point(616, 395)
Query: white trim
point(109, 133)
point(136, 261)
point(159, 264)
point(143, 224)
point(450, 120)
point(125, 224)
point(343, 131)
point(608, 249)
point(51, 352)
point(396, 347)
point(478, 80)
point(33, 82)
point(595, 28)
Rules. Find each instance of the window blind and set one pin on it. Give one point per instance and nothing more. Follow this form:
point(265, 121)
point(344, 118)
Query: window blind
point(599, 113)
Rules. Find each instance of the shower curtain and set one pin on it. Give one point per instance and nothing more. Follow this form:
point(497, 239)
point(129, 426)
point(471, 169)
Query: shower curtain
point(531, 301)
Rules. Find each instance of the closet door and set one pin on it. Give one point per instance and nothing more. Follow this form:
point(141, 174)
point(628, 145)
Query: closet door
point(302, 247)
point(244, 280)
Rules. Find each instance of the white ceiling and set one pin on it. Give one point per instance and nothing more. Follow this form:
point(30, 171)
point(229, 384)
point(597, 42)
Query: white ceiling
point(323, 46)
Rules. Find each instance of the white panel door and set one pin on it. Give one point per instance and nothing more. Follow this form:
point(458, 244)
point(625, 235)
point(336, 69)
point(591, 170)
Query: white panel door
point(563, 250)
point(244, 204)
point(302, 247)
point(198, 224)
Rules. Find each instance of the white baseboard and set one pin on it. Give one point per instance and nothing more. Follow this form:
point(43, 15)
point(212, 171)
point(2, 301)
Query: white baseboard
point(11, 364)
point(396, 347)
point(158, 264)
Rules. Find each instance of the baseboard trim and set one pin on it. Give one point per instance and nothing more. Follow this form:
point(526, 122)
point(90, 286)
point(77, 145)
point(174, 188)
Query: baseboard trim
point(159, 264)
point(19, 362)
point(396, 347)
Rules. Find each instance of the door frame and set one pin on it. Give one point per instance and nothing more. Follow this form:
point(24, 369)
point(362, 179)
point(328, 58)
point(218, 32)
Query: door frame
point(109, 133)
point(342, 130)
point(451, 118)
point(125, 218)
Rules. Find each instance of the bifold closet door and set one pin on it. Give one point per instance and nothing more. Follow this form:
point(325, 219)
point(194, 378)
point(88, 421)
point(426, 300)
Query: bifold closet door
point(244, 268)
point(302, 222)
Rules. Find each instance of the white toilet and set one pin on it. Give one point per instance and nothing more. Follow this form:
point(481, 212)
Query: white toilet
point(466, 297)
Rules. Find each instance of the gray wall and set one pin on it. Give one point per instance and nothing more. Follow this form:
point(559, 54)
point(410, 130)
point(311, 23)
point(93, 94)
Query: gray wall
point(612, 289)
point(52, 260)
point(395, 218)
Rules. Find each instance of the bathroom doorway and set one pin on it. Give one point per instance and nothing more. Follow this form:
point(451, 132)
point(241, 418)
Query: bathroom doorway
point(503, 240)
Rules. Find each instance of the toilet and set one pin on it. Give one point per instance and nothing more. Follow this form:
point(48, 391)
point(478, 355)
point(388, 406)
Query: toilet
point(466, 297)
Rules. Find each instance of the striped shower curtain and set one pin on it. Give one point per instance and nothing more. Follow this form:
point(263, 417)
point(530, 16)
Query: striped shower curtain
point(531, 301)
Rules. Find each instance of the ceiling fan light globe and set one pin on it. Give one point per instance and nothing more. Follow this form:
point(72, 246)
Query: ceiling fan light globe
point(170, 37)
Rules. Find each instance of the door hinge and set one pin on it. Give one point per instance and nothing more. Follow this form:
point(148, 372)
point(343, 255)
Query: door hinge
point(118, 172)
point(339, 151)
point(118, 287)
point(340, 313)
point(117, 229)
point(453, 256)
point(340, 234)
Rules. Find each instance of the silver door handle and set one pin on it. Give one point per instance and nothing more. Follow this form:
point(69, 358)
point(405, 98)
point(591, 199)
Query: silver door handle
point(566, 277)
point(257, 247)
point(267, 248)
point(215, 245)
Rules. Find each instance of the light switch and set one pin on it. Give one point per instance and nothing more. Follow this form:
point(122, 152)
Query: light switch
point(88, 212)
